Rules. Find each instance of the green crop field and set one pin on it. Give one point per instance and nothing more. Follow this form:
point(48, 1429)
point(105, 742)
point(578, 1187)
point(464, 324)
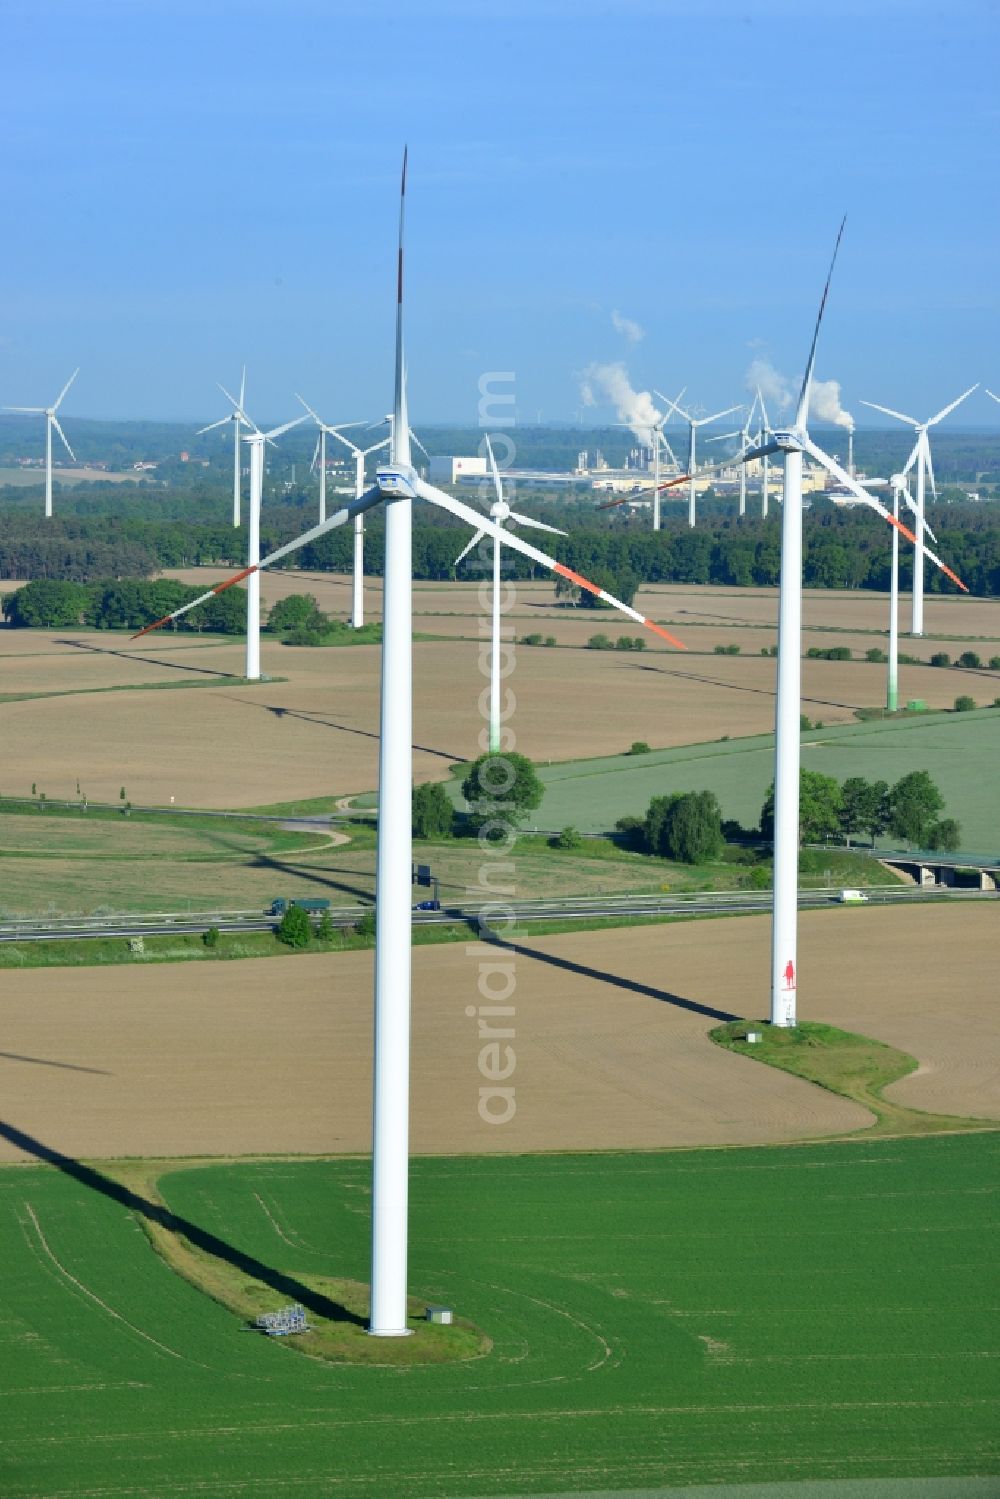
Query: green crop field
point(960, 751)
point(660, 1320)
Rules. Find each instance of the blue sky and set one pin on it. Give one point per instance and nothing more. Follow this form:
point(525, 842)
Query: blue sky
point(192, 185)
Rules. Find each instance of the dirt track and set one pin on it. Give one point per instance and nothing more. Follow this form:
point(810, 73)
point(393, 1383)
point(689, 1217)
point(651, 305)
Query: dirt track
point(610, 1045)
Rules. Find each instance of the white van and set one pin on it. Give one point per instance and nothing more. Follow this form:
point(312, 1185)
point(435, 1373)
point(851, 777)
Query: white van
point(852, 898)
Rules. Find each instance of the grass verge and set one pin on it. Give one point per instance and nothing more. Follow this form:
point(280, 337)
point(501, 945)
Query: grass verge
point(337, 1309)
point(856, 1067)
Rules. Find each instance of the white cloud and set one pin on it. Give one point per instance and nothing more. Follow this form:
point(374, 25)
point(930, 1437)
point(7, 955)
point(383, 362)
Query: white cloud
point(627, 327)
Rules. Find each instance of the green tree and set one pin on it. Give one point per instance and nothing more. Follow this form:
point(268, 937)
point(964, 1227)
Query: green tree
point(914, 803)
point(945, 835)
point(969, 660)
point(295, 928)
point(46, 604)
point(325, 929)
point(433, 813)
point(501, 788)
point(210, 936)
point(567, 838)
point(863, 807)
point(819, 807)
point(692, 830)
point(965, 704)
point(297, 611)
point(654, 829)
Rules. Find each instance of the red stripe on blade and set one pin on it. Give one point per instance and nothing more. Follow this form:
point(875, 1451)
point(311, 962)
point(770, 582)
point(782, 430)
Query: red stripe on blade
point(666, 634)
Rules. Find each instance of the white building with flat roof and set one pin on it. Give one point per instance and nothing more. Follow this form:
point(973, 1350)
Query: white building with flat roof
point(452, 470)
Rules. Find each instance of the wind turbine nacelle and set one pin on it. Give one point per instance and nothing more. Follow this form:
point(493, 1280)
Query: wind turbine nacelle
point(393, 482)
point(787, 441)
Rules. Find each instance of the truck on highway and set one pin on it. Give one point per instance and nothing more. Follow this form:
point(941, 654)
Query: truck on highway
point(305, 903)
point(852, 898)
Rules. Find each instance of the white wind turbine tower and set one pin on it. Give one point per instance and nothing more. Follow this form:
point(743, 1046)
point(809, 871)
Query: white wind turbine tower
point(51, 420)
point(900, 491)
point(793, 443)
point(500, 512)
point(358, 571)
point(693, 424)
point(256, 441)
point(239, 419)
point(319, 454)
point(746, 442)
point(922, 454)
point(397, 485)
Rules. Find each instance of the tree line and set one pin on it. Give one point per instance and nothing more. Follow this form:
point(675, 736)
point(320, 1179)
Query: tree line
point(842, 549)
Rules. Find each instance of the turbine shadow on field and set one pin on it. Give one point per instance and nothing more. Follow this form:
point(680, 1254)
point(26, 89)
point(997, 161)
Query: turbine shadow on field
point(663, 996)
point(262, 860)
point(15, 1056)
point(344, 728)
point(100, 650)
point(162, 1217)
point(691, 676)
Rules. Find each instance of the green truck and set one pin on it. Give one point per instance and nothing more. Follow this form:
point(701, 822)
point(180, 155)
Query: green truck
point(305, 903)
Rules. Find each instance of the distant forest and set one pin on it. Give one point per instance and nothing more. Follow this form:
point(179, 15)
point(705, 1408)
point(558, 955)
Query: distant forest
point(843, 549)
point(180, 518)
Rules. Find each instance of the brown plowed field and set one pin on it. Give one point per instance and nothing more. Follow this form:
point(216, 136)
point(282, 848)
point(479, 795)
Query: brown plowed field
point(610, 1043)
point(314, 732)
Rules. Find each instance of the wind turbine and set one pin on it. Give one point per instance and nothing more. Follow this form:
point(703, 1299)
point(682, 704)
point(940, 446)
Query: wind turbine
point(657, 437)
point(900, 491)
point(500, 512)
point(358, 574)
point(320, 450)
point(922, 454)
point(256, 441)
point(396, 486)
point(693, 424)
point(746, 442)
point(239, 419)
point(51, 420)
point(793, 443)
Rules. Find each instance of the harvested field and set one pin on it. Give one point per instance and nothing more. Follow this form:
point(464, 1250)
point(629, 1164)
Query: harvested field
point(316, 732)
point(610, 1041)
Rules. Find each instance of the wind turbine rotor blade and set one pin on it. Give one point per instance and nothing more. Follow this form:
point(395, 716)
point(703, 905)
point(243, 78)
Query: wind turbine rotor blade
point(231, 399)
point(910, 503)
point(536, 525)
point(472, 545)
point(888, 411)
point(419, 444)
point(723, 436)
point(65, 388)
point(518, 544)
point(336, 432)
point(704, 421)
point(375, 446)
point(832, 467)
point(285, 427)
point(27, 410)
point(913, 456)
point(340, 517)
point(315, 458)
point(986, 388)
point(613, 504)
point(494, 470)
point(802, 411)
point(672, 404)
point(222, 422)
point(929, 464)
point(948, 409)
point(243, 386)
point(308, 408)
point(62, 434)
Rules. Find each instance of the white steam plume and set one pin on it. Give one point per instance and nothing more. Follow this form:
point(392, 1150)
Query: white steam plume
point(611, 383)
point(627, 326)
point(773, 385)
point(824, 403)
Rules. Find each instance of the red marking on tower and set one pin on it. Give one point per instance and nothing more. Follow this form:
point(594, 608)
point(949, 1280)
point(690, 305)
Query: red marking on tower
point(789, 975)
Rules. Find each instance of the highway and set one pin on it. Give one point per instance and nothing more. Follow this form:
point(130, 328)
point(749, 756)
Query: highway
point(565, 908)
